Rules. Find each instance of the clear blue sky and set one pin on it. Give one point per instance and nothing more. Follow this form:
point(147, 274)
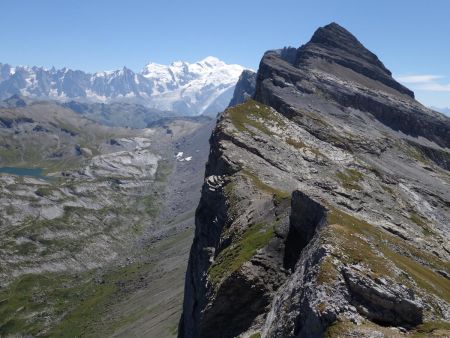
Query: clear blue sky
point(411, 37)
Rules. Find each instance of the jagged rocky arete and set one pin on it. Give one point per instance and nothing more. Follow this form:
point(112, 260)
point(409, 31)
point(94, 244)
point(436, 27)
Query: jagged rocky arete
point(325, 207)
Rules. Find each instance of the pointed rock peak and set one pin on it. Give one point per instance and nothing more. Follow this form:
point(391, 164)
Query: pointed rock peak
point(334, 34)
point(338, 46)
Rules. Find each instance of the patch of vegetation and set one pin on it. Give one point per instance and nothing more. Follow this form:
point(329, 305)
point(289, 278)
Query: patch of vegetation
point(337, 328)
point(404, 255)
point(327, 271)
point(426, 329)
point(239, 251)
point(255, 335)
point(388, 189)
point(413, 216)
point(425, 278)
point(345, 328)
point(26, 248)
point(295, 143)
point(69, 129)
point(9, 155)
point(260, 185)
point(42, 295)
point(350, 178)
point(163, 171)
point(416, 219)
point(44, 191)
point(174, 330)
point(182, 217)
point(149, 206)
point(298, 144)
point(79, 301)
point(254, 114)
point(354, 248)
point(414, 152)
point(232, 201)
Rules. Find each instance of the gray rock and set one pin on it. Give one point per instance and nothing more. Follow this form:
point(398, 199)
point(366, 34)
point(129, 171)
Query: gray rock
point(350, 172)
point(245, 88)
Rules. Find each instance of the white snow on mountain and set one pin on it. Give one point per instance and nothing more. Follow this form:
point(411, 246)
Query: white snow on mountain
point(205, 86)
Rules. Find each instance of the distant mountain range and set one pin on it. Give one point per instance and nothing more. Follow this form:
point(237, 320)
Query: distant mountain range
point(202, 87)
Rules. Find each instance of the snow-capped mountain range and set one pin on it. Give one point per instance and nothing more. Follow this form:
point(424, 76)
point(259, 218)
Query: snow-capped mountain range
point(205, 86)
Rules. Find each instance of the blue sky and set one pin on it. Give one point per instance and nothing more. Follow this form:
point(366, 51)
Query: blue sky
point(412, 37)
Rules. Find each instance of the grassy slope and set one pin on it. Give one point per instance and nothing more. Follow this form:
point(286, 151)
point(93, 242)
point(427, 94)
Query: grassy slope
point(356, 239)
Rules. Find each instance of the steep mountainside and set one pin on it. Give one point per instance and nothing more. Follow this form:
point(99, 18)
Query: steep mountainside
point(202, 87)
point(325, 207)
point(95, 221)
point(245, 88)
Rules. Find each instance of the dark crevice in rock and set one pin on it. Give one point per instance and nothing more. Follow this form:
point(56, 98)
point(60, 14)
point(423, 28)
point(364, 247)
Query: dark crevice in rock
point(239, 299)
point(306, 217)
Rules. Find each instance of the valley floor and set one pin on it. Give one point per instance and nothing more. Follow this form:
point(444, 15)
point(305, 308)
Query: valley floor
point(97, 246)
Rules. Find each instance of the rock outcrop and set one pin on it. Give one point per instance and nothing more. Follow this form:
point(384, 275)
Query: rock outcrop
point(245, 88)
point(325, 207)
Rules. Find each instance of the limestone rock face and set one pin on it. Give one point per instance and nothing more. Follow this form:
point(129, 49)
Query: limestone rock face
point(245, 87)
point(325, 207)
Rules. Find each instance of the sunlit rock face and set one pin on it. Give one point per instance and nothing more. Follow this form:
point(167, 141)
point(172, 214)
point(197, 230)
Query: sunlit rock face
point(325, 208)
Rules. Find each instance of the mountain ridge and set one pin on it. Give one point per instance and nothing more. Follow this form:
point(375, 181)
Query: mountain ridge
point(324, 210)
point(205, 86)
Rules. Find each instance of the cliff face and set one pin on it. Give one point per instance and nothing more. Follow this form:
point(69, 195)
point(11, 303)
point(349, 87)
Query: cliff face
point(245, 88)
point(325, 207)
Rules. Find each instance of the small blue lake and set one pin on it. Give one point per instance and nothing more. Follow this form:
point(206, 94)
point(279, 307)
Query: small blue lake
point(33, 172)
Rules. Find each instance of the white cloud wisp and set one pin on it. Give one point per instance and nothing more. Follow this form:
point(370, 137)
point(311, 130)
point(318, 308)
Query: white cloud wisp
point(425, 82)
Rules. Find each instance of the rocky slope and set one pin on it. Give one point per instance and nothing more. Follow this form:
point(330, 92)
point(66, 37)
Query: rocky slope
point(91, 219)
point(325, 206)
point(205, 86)
point(119, 114)
point(245, 88)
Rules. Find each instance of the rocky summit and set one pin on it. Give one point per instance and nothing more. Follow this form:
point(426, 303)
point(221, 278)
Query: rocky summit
point(325, 205)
